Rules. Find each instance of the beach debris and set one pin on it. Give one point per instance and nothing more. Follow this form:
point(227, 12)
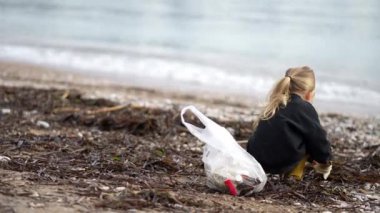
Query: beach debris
point(36, 205)
point(65, 95)
point(4, 159)
point(29, 113)
point(5, 111)
point(43, 124)
point(139, 156)
point(107, 109)
point(104, 188)
point(119, 189)
point(34, 194)
point(235, 171)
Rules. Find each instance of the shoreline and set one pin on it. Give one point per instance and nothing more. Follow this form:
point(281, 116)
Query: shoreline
point(94, 87)
point(102, 85)
point(25, 74)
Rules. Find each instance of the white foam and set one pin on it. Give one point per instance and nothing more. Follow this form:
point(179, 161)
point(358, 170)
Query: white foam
point(164, 68)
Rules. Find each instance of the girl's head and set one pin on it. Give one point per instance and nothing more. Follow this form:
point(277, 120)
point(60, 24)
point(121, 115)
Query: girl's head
point(298, 80)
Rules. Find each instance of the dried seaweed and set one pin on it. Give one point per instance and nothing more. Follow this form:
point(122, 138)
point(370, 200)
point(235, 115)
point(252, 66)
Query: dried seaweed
point(137, 157)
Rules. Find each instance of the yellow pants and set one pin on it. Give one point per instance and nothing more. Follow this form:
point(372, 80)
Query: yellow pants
point(298, 170)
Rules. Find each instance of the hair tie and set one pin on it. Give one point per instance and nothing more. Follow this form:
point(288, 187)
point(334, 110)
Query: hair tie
point(288, 76)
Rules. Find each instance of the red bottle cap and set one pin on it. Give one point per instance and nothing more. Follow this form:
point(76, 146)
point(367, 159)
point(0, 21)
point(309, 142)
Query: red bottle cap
point(230, 185)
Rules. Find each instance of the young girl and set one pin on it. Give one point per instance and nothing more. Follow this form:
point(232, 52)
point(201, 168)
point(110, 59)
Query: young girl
point(288, 131)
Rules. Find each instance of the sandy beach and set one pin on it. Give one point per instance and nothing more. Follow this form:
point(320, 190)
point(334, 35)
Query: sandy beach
point(79, 143)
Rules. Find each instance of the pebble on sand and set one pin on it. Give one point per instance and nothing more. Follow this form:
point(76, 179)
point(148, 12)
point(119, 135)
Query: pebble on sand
point(43, 124)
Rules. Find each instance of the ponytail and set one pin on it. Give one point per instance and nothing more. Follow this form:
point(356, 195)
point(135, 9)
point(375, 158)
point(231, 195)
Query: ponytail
point(296, 80)
point(278, 97)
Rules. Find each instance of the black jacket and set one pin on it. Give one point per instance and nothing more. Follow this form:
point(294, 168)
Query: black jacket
point(282, 141)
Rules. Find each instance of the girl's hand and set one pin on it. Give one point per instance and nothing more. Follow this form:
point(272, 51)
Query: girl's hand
point(324, 169)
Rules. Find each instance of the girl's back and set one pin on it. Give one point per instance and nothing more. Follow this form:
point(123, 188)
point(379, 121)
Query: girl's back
point(288, 129)
point(293, 132)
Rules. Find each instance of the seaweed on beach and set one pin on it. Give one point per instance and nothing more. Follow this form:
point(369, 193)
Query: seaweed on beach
point(98, 154)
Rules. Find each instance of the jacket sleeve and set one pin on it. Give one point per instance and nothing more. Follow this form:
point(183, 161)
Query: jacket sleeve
point(317, 145)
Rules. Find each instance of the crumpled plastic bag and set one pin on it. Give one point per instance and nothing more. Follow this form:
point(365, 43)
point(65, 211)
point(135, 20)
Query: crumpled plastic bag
point(228, 167)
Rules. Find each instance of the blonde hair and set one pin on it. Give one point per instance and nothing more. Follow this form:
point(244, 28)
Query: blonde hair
point(296, 80)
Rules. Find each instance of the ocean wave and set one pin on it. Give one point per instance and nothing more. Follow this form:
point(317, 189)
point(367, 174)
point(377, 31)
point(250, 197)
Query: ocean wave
point(162, 68)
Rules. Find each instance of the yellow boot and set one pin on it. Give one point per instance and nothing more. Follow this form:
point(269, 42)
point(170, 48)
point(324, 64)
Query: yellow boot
point(297, 172)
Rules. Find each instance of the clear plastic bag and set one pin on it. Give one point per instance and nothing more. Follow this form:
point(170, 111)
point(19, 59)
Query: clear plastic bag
point(228, 167)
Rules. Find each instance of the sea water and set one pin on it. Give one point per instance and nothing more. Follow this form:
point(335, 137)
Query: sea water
point(235, 46)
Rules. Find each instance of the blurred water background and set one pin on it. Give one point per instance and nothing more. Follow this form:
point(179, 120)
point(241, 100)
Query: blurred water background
point(235, 46)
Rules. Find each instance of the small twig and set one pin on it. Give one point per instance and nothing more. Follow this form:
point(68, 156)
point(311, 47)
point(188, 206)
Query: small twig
point(66, 109)
point(65, 95)
point(299, 195)
point(242, 141)
point(107, 109)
